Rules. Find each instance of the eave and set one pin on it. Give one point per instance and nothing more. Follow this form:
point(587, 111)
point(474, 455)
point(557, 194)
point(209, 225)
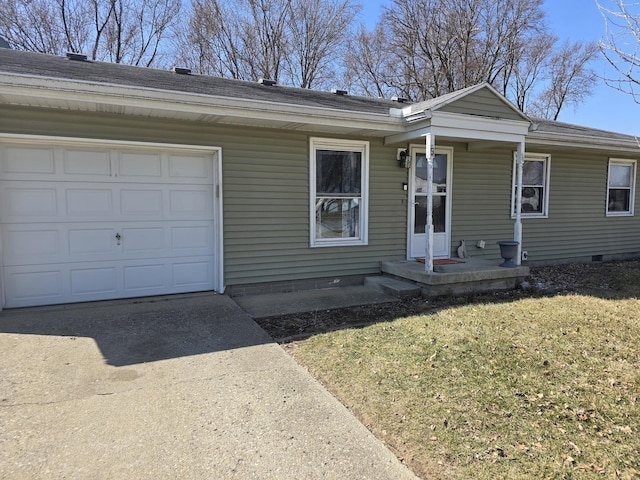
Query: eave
point(460, 127)
point(583, 142)
point(43, 92)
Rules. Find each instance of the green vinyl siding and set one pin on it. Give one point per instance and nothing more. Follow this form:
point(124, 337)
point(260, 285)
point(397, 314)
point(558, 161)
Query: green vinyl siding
point(576, 227)
point(279, 250)
point(265, 178)
point(481, 199)
point(484, 103)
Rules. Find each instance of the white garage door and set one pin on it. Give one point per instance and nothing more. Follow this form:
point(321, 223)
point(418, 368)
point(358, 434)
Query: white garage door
point(84, 222)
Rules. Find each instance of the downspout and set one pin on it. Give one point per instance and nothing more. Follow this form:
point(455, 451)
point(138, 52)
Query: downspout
point(428, 231)
point(517, 228)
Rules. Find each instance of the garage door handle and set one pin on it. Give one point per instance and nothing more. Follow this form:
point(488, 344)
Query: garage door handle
point(118, 237)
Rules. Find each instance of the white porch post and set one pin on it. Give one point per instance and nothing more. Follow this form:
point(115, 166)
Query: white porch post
point(428, 231)
point(517, 229)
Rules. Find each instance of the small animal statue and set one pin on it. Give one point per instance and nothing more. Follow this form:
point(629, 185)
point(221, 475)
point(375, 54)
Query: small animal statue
point(462, 249)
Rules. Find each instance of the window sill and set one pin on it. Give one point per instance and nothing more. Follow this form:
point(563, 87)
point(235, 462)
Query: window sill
point(354, 243)
point(527, 216)
point(619, 214)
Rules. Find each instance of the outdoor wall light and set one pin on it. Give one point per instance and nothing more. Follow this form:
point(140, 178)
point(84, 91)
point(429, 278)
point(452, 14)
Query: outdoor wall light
point(404, 161)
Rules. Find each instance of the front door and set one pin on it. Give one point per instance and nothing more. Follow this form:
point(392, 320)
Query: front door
point(442, 166)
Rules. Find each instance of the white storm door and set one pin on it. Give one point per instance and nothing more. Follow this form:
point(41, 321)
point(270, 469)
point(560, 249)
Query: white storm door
point(442, 167)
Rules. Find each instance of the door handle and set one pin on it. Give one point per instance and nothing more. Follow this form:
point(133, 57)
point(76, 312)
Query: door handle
point(118, 237)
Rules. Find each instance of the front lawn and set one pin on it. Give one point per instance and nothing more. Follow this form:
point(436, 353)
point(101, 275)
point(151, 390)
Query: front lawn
point(521, 387)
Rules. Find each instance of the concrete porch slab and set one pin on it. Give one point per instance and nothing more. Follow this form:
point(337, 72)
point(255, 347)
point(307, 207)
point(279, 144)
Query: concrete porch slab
point(475, 275)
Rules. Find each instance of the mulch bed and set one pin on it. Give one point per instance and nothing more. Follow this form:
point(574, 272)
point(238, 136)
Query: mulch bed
point(588, 278)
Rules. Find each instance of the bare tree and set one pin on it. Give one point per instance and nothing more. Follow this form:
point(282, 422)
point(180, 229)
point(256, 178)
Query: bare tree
point(318, 30)
point(528, 70)
point(242, 40)
point(294, 42)
point(570, 81)
point(366, 69)
point(136, 29)
point(121, 31)
point(212, 42)
point(440, 46)
point(621, 44)
point(31, 26)
point(456, 43)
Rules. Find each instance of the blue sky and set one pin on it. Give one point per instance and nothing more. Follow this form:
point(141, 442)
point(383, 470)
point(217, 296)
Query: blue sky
point(607, 108)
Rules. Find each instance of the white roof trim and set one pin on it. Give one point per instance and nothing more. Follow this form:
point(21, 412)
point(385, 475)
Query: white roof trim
point(584, 141)
point(44, 91)
point(468, 127)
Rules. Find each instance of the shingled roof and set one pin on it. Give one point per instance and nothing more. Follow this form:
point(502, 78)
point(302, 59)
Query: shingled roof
point(44, 66)
point(51, 66)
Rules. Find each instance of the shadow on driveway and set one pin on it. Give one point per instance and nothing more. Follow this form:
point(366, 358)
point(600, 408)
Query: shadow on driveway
point(133, 332)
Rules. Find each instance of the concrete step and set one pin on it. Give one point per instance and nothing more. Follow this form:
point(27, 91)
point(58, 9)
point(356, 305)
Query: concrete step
point(393, 286)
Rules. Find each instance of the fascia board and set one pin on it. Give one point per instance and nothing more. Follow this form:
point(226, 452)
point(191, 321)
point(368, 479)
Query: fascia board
point(473, 127)
point(475, 123)
point(468, 127)
point(78, 92)
point(408, 135)
point(584, 142)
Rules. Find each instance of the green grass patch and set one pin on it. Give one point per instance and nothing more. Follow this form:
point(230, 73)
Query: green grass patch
point(532, 388)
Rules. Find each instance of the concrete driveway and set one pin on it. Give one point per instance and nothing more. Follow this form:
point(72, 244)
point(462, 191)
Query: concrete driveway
point(186, 387)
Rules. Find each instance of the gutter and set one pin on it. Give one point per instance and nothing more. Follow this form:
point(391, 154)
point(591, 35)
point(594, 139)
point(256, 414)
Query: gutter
point(170, 101)
point(590, 142)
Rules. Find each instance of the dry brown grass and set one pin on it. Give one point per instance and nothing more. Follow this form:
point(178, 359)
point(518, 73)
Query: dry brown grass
point(527, 388)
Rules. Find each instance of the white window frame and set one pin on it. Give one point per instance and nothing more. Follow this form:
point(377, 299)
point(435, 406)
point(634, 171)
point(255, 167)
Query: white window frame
point(632, 193)
point(533, 157)
point(362, 147)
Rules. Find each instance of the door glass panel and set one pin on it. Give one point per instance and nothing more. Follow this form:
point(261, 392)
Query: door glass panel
point(439, 173)
point(439, 209)
point(439, 214)
point(420, 214)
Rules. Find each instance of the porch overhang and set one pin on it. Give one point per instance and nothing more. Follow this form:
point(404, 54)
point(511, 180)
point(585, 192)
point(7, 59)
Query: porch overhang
point(461, 127)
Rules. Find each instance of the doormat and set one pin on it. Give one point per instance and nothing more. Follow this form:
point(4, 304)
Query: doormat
point(441, 261)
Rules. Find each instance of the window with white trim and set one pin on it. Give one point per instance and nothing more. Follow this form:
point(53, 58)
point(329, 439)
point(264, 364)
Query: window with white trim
point(339, 178)
point(621, 186)
point(535, 186)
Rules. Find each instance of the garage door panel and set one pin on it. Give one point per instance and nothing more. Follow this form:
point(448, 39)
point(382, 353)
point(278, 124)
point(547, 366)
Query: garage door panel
point(144, 277)
point(193, 204)
point(141, 202)
point(33, 286)
point(192, 237)
point(87, 163)
point(191, 275)
point(80, 224)
point(25, 244)
point(90, 241)
point(29, 160)
point(94, 280)
point(133, 164)
point(83, 202)
point(190, 167)
point(29, 202)
point(136, 240)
